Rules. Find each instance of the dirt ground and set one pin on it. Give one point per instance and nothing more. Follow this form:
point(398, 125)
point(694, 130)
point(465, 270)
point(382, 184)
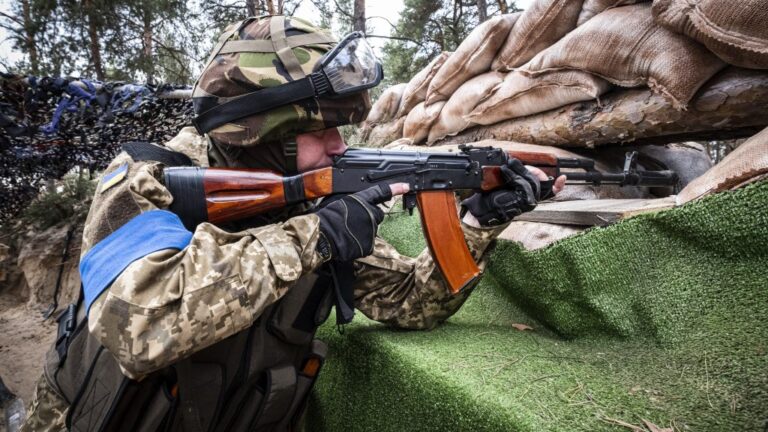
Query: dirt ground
point(24, 339)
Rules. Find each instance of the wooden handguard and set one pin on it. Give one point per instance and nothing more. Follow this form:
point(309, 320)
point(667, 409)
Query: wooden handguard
point(442, 230)
point(546, 162)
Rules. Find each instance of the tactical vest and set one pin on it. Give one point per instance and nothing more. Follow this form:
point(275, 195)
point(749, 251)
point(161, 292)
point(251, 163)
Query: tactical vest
point(256, 380)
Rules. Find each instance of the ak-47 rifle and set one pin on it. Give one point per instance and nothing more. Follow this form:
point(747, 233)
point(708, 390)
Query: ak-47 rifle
point(219, 195)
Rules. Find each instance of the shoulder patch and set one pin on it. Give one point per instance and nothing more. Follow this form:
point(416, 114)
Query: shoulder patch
point(113, 178)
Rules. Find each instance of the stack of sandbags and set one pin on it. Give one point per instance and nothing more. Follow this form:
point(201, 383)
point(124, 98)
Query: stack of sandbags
point(416, 90)
point(625, 46)
point(520, 95)
point(541, 25)
point(471, 58)
point(594, 7)
point(384, 133)
point(737, 31)
point(383, 125)
point(746, 164)
point(453, 116)
point(420, 119)
point(386, 107)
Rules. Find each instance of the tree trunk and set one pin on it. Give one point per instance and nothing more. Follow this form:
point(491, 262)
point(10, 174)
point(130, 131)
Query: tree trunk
point(358, 16)
point(93, 39)
point(29, 34)
point(734, 104)
point(250, 6)
point(146, 36)
point(270, 7)
point(503, 6)
point(482, 10)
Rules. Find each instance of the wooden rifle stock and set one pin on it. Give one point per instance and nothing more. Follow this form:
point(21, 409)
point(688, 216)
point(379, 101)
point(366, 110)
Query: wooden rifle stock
point(238, 194)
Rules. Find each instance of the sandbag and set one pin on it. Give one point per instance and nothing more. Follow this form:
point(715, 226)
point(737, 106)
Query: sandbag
point(748, 163)
point(419, 121)
point(471, 58)
point(385, 133)
point(736, 31)
point(520, 95)
point(416, 91)
point(387, 105)
point(594, 7)
point(625, 46)
point(541, 25)
point(537, 235)
point(452, 117)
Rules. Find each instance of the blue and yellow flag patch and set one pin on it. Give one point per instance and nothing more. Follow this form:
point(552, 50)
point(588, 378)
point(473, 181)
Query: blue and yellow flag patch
point(113, 178)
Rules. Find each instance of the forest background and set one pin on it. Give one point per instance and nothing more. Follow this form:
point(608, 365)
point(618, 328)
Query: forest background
point(166, 41)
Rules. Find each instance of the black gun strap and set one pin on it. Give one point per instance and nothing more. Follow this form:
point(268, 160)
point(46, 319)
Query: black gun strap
point(343, 274)
point(145, 151)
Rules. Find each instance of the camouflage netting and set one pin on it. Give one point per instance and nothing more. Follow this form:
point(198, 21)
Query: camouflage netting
point(561, 53)
point(660, 318)
point(92, 122)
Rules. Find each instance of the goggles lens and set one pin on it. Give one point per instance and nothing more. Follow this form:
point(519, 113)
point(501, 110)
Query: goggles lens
point(352, 66)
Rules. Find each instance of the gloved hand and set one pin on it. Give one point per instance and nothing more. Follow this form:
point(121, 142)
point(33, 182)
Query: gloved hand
point(520, 193)
point(348, 224)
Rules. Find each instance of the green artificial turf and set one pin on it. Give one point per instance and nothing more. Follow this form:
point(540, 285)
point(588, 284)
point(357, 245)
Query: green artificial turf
point(662, 317)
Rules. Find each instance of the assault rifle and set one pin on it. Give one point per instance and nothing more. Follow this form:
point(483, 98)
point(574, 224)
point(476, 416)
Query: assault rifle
point(220, 195)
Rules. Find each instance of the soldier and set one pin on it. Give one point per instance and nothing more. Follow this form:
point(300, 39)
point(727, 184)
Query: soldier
point(214, 329)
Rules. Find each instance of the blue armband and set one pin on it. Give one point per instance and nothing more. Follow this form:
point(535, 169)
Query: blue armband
point(148, 232)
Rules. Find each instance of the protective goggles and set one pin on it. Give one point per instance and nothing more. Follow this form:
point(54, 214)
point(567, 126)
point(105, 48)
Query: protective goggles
point(350, 67)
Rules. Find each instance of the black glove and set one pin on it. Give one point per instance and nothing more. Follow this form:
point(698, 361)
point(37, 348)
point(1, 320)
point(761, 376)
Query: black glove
point(519, 194)
point(348, 224)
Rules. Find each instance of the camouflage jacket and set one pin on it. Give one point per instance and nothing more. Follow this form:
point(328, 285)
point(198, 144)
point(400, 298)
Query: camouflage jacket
point(171, 303)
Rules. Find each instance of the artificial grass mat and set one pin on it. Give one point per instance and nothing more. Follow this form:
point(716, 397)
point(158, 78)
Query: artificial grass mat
point(662, 317)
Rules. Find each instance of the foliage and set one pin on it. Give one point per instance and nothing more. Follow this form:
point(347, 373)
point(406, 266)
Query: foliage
point(69, 199)
point(138, 40)
point(427, 28)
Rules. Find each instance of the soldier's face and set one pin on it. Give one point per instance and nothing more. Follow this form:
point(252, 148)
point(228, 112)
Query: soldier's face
point(316, 149)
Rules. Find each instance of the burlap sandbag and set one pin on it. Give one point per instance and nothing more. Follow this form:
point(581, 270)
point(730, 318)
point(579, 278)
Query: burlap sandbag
point(452, 117)
point(625, 46)
point(737, 31)
point(537, 235)
point(387, 105)
point(520, 95)
point(416, 91)
point(747, 163)
point(385, 133)
point(594, 7)
point(419, 121)
point(541, 25)
point(471, 58)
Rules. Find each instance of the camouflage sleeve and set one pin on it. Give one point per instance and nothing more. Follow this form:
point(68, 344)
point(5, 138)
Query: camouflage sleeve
point(172, 303)
point(410, 292)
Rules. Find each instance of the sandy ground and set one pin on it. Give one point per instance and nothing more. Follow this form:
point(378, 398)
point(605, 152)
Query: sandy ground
point(24, 339)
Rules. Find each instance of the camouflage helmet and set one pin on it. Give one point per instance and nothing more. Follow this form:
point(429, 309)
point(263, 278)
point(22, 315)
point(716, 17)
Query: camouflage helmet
point(263, 52)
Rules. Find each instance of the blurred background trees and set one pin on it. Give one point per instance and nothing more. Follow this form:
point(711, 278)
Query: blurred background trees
point(156, 41)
